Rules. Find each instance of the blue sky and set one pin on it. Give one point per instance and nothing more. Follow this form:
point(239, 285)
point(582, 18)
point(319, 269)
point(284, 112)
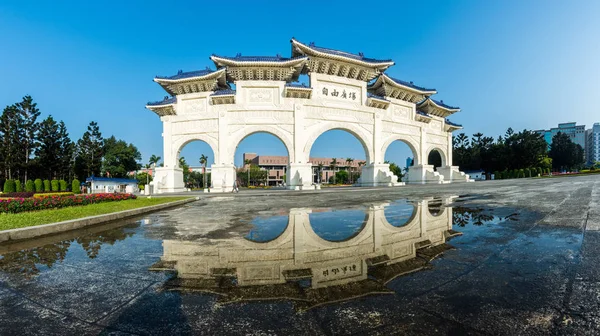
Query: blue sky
point(526, 64)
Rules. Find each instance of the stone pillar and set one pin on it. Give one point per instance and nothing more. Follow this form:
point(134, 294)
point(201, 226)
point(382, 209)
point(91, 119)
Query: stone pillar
point(299, 174)
point(222, 177)
point(373, 175)
point(168, 179)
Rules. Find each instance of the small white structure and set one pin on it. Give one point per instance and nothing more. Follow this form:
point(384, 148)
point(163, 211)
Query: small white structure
point(111, 185)
point(346, 91)
point(477, 175)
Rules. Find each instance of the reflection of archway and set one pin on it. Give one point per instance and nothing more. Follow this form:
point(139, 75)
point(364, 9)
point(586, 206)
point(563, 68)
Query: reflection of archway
point(436, 157)
point(436, 207)
point(400, 213)
point(326, 225)
point(268, 229)
point(353, 129)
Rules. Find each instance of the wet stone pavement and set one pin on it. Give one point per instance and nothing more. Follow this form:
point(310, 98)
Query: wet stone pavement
point(514, 257)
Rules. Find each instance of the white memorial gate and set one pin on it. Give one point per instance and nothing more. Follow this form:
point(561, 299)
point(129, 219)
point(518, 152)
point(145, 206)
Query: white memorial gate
point(347, 91)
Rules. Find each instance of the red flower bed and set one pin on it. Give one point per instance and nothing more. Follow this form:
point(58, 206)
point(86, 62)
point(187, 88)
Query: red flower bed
point(17, 205)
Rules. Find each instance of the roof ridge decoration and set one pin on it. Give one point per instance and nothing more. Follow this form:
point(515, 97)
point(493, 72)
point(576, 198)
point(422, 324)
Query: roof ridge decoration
point(193, 81)
point(339, 63)
point(398, 89)
point(437, 108)
point(261, 67)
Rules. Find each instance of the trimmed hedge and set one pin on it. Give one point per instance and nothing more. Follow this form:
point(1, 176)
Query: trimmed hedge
point(18, 186)
point(47, 186)
point(29, 186)
point(527, 172)
point(39, 186)
point(44, 195)
point(76, 186)
point(24, 194)
point(62, 185)
point(16, 205)
point(54, 185)
point(9, 186)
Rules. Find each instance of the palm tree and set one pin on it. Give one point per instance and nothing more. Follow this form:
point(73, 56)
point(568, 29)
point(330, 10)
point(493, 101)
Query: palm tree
point(203, 161)
point(349, 163)
point(151, 164)
point(248, 162)
point(320, 171)
point(332, 165)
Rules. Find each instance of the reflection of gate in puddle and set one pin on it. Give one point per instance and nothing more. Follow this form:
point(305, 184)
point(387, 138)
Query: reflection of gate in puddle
point(269, 270)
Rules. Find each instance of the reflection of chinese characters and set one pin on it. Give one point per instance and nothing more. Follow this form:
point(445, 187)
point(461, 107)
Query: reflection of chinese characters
point(342, 94)
point(339, 270)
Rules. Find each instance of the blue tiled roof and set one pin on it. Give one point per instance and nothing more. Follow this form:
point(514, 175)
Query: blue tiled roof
point(110, 179)
point(223, 92)
point(410, 84)
point(370, 95)
point(189, 74)
point(358, 56)
point(441, 103)
point(168, 100)
point(452, 124)
point(240, 58)
point(423, 114)
point(298, 85)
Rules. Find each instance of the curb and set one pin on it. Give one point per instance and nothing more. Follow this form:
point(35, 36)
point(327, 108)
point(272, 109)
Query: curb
point(49, 229)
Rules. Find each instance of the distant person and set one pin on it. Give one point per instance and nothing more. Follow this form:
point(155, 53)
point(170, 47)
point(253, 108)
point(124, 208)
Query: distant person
point(235, 187)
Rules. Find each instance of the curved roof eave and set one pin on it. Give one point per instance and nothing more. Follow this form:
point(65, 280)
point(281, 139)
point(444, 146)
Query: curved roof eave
point(214, 74)
point(226, 61)
point(308, 50)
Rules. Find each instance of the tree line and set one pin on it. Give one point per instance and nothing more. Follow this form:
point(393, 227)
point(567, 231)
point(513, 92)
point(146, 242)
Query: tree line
point(33, 148)
point(515, 151)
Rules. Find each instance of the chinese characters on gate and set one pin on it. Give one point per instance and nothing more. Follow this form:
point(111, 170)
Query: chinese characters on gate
point(339, 94)
point(337, 270)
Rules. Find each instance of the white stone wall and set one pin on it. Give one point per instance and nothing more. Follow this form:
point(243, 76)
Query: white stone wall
point(261, 106)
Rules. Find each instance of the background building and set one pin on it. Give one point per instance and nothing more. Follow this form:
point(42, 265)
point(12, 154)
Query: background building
point(576, 133)
point(277, 167)
point(593, 144)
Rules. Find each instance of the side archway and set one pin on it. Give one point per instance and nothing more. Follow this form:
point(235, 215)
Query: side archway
point(411, 143)
point(436, 157)
point(182, 141)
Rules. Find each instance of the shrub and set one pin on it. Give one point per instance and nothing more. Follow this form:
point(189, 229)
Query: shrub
point(9, 186)
point(54, 185)
point(39, 187)
point(497, 175)
point(29, 186)
point(539, 171)
point(16, 205)
point(18, 186)
point(527, 172)
point(62, 185)
point(47, 185)
point(44, 195)
point(24, 194)
point(75, 186)
point(521, 173)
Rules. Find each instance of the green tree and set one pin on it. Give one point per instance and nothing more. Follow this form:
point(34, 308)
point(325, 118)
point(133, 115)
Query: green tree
point(340, 176)
point(18, 186)
point(396, 170)
point(76, 186)
point(55, 185)
point(9, 186)
point(203, 160)
point(186, 169)
point(48, 151)
point(29, 186)
point(120, 158)
point(39, 186)
point(565, 154)
point(29, 113)
point(11, 134)
point(47, 186)
point(62, 184)
point(65, 152)
point(89, 152)
point(349, 162)
point(248, 163)
point(332, 165)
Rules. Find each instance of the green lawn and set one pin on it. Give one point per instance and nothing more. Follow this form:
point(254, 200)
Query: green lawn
point(24, 219)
